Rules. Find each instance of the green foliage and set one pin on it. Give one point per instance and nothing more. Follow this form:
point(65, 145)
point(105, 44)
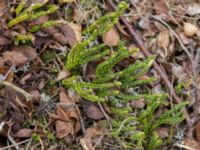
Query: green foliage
point(82, 52)
point(36, 137)
point(47, 24)
point(137, 131)
point(32, 12)
point(24, 38)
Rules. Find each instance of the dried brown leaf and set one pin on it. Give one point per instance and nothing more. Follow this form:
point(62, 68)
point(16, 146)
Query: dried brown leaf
point(4, 41)
point(90, 135)
point(92, 110)
point(20, 55)
point(163, 132)
point(163, 39)
point(111, 38)
point(24, 133)
point(72, 33)
point(36, 95)
point(62, 74)
point(67, 112)
point(137, 103)
point(3, 9)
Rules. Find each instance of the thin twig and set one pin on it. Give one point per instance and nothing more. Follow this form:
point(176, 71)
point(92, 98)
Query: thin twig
point(81, 120)
point(105, 114)
point(183, 146)
point(136, 37)
point(23, 92)
point(14, 145)
point(12, 140)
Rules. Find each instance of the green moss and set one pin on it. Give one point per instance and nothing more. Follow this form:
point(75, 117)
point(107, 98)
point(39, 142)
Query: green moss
point(48, 56)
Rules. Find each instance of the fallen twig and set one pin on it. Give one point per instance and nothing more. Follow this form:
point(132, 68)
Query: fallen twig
point(14, 145)
point(23, 92)
point(147, 53)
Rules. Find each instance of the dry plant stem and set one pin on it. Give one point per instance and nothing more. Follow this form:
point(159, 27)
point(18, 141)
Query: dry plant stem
point(141, 44)
point(81, 120)
point(14, 145)
point(105, 114)
point(23, 92)
point(183, 146)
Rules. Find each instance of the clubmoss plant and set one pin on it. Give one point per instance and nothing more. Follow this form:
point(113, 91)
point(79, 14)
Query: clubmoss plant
point(32, 12)
point(110, 86)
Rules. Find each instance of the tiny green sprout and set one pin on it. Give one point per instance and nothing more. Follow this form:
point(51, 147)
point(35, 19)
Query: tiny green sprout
point(36, 137)
point(24, 38)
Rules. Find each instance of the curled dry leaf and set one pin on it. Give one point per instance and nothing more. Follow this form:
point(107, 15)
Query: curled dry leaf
point(72, 33)
point(67, 111)
point(90, 136)
point(62, 74)
point(41, 20)
point(36, 95)
point(111, 38)
point(190, 29)
point(4, 41)
point(162, 132)
point(27, 133)
point(77, 30)
point(24, 133)
point(20, 55)
point(137, 103)
point(92, 110)
point(163, 39)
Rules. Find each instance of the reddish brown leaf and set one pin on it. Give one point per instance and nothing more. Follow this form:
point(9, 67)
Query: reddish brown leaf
point(163, 39)
point(92, 110)
point(62, 74)
point(24, 133)
point(72, 33)
point(67, 112)
point(111, 38)
point(27, 133)
point(138, 103)
point(36, 95)
point(162, 132)
point(3, 9)
point(4, 41)
point(20, 55)
point(90, 136)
